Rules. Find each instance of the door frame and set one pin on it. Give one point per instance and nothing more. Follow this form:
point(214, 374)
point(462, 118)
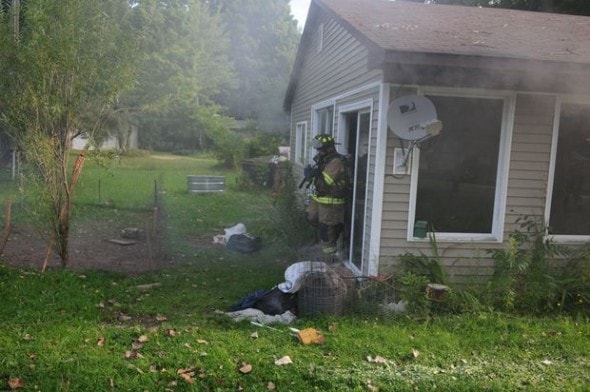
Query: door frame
point(342, 138)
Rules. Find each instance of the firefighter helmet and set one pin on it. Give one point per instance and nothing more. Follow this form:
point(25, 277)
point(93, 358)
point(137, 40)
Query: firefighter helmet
point(323, 141)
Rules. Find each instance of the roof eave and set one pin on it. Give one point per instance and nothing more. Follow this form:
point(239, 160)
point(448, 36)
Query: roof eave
point(481, 71)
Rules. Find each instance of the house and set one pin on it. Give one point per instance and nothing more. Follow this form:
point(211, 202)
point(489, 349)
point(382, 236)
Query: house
point(512, 90)
point(125, 140)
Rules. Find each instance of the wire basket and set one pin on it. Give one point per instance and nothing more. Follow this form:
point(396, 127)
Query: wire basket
point(322, 293)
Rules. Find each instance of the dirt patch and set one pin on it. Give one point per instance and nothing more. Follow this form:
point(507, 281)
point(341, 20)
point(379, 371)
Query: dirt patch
point(90, 248)
point(100, 246)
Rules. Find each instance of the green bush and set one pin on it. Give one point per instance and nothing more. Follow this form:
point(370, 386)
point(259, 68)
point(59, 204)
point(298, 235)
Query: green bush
point(528, 276)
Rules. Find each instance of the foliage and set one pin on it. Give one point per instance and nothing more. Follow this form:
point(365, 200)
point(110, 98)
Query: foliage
point(430, 267)
point(106, 333)
point(412, 289)
point(70, 58)
point(263, 42)
point(262, 144)
point(523, 278)
point(289, 222)
point(92, 330)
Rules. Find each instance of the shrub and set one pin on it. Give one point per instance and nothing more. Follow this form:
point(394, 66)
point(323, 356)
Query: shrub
point(525, 277)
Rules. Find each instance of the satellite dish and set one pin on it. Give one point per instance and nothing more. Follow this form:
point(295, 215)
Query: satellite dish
point(413, 117)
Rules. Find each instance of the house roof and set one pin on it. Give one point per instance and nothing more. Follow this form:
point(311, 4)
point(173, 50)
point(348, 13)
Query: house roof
point(463, 30)
point(400, 33)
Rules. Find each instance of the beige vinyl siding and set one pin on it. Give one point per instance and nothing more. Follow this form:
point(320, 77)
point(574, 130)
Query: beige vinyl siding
point(531, 148)
point(339, 67)
point(470, 262)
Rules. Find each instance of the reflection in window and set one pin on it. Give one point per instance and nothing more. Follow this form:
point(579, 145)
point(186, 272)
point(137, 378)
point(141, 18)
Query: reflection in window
point(570, 206)
point(300, 142)
point(325, 118)
point(457, 171)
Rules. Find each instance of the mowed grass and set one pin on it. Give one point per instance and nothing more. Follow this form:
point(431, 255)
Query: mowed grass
point(94, 331)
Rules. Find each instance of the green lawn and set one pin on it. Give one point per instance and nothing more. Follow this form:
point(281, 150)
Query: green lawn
point(95, 331)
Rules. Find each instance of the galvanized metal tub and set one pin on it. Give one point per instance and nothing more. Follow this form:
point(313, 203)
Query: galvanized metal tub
point(205, 184)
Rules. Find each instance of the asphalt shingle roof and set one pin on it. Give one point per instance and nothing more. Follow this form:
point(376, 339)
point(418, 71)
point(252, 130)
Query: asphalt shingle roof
point(462, 30)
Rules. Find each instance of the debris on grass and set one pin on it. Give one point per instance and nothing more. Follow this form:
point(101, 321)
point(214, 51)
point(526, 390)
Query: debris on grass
point(148, 286)
point(310, 336)
point(286, 360)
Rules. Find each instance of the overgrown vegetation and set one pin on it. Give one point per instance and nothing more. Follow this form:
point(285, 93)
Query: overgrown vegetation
point(532, 275)
point(90, 330)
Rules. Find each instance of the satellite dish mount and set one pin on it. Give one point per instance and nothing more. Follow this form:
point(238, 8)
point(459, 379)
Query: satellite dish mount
point(413, 119)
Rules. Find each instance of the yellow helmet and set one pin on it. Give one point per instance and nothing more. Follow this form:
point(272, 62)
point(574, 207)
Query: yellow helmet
point(323, 141)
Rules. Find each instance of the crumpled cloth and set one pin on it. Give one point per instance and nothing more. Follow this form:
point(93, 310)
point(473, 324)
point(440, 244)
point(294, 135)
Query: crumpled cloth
point(258, 316)
point(296, 272)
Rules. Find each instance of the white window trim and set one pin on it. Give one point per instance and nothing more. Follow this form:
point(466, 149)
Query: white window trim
point(365, 106)
point(341, 136)
point(497, 232)
point(314, 122)
point(560, 238)
point(320, 37)
point(301, 141)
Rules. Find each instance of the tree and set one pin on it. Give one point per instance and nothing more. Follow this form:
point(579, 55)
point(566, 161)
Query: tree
point(68, 59)
point(264, 41)
point(185, 65)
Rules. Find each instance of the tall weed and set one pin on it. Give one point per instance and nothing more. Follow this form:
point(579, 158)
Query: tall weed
point(525, 277)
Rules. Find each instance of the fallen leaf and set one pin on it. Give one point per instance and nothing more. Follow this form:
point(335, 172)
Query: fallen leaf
point(132, 354)
point(245, 368)
point(161, 318)
point(124, 317)
point(377, 359)
point(371, 387)
point(415, 353)
point(286, 360)
point(271, 386)
point(254, 335)
point(171, 332)
point(332, 327)
point(187, 377)
point(136, 345)
point(100, 341)
point(187, 374)
point(201, 341)
point(547, 362)
point(16, 383)
point(142, 339)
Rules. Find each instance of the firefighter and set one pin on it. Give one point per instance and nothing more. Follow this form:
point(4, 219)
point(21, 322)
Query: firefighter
point(330, 180)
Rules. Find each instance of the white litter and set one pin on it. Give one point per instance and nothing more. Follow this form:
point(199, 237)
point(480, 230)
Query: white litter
point(296, 272)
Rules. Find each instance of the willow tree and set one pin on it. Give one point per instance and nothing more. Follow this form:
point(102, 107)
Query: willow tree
point(61, 60)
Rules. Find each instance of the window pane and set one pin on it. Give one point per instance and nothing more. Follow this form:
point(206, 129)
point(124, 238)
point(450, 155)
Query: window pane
point(457, 172)
point(300, 143)
point(570, 206)
point(325, 117)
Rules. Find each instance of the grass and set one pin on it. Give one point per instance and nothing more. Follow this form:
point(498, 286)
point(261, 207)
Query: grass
point(92, 331)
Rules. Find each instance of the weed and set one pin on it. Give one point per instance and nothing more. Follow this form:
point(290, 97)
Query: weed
point(525, 277)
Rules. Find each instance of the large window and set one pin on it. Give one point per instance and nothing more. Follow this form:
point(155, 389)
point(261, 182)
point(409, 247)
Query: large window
point(570, 201)
point(457, 188)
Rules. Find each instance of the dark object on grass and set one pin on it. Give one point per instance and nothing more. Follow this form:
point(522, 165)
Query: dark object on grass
point(276, 302)
point(271, 302)
point(244, 243)
point(249, 300)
